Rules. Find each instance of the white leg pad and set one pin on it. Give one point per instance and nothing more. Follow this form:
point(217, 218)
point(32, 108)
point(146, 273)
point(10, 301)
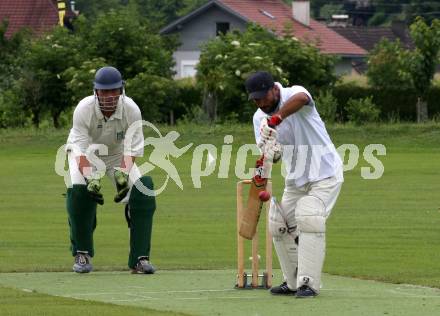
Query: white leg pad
point(75, 175)
point(284, 243)
point(277, 222)
point(310, 216)
point(287, 251)
point(311, 254)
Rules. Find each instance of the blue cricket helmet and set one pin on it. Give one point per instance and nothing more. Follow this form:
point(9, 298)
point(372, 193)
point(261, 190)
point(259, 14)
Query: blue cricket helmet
point(108, 78)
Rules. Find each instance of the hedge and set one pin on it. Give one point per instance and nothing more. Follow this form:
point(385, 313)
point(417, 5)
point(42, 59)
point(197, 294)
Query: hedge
point(392, 103)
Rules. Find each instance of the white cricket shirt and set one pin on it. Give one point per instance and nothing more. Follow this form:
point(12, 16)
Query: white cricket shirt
point(91, 127)
point(308, 152)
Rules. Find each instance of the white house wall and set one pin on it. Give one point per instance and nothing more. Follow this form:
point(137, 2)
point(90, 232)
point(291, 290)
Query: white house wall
point(202, 28)
point(198, 31)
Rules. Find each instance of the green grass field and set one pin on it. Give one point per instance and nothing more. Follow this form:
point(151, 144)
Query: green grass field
point(385, 229)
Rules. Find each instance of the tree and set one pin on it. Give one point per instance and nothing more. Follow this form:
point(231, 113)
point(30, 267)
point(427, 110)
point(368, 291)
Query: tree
point(387, 66)
point(156, 96)
point(429, 10)
point(36, 84)
point(316, 5)
point(158, 13)
point(424, 60)
point(10, 51)
point(79, 79)
point(56, 69)
point(392, 67)
point(127, 42)
point(386, 11)
point(42, 84)
point(191, 5)
point(327, 10)
point(161, 13)
point(227, 60)
point(92, 9)
point(303, 63)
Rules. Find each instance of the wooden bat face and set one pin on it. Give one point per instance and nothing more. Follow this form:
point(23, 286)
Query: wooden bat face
point(251, 215)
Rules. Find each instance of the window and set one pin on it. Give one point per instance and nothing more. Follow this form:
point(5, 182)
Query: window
point(222, 28)
point(188, 68)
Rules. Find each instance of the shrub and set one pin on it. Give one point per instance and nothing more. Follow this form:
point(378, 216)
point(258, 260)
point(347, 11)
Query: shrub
point(156, 96)
point(193, 115)
point(327, 105)
point(189, 97)
point(361, 111)
point(11, 113)
point(80, 78)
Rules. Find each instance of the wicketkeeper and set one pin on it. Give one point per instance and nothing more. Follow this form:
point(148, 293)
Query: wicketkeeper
point(313, 181)
point(104, 140)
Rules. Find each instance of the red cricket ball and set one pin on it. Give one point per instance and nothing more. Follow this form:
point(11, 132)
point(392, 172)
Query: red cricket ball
point(264, 196)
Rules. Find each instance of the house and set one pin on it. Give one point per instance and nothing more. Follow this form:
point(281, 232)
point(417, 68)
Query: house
point(217, 16)
point(37, 15)
point(367, 37)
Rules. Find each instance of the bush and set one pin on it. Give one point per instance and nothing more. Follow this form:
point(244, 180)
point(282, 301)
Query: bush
point(388, 66)
point(362, 111)
point(156, 96)
point(327, 105)
point(189, 97)
point(11, 113)
point(80, 78)
point(193, 115)
point(397, 103)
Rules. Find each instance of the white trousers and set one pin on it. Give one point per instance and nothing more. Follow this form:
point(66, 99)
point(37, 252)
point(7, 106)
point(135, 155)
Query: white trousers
point(327, 190)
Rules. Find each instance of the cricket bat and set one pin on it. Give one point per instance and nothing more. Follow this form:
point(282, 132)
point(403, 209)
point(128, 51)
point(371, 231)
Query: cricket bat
point(251, 215)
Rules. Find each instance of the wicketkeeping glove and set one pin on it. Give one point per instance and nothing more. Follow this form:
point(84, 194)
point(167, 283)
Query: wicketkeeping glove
point(94, 188)
point(121, 179)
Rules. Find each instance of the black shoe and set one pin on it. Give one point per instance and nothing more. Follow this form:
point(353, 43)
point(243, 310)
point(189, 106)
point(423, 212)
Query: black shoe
point(143, 266)
point(82, 263)
point(282, 289)
point(305, 291)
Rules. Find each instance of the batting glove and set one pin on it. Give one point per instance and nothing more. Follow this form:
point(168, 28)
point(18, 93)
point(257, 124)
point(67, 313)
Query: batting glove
point(93, 186)
point(273, 151)
point(121, 179)
point(268, 132)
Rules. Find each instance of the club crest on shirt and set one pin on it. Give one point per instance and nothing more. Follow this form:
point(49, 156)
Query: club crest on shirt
point(120, 135)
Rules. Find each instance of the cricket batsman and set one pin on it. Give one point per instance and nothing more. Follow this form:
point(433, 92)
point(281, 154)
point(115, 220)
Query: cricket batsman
point(103, 124)
point(288, 126)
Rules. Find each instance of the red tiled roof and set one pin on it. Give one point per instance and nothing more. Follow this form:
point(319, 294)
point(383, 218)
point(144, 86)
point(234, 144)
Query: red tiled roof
point(38, 15)
point(327, 40)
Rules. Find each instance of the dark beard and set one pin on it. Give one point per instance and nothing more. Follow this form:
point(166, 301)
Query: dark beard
point(272, 109)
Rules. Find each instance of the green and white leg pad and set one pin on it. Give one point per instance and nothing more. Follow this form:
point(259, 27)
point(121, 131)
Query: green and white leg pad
point(141, 208)
point(81, 209)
